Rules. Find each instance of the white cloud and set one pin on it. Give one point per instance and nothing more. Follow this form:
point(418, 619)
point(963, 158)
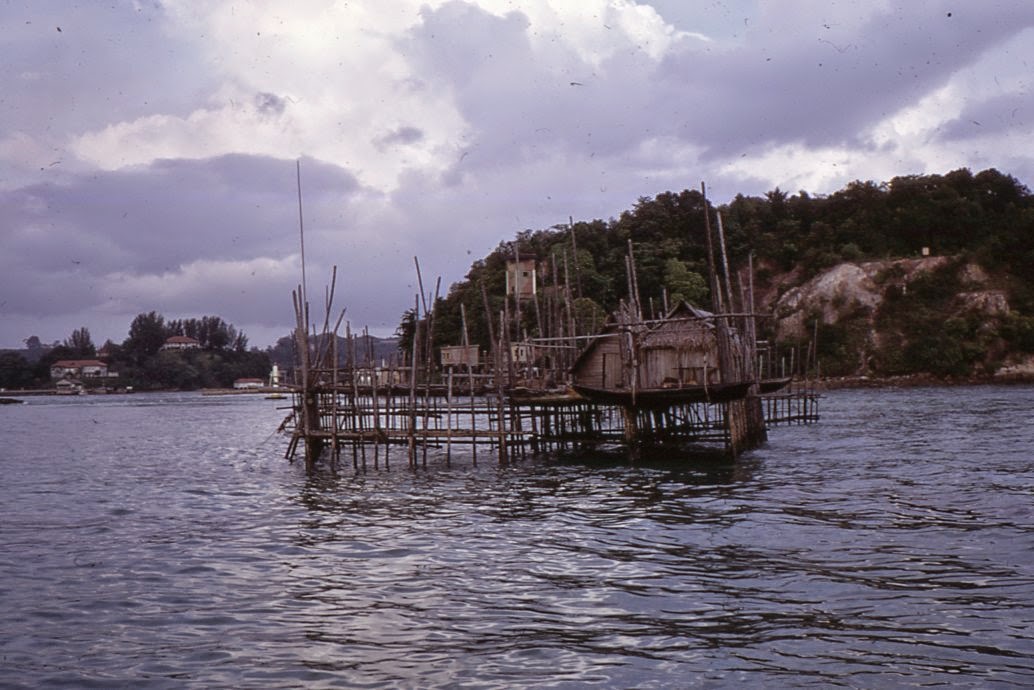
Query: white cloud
point(595, 30)
point(336, 70)
point(347, 82)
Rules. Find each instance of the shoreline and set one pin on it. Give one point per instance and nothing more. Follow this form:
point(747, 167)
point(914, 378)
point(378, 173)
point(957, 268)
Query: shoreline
point(821, 384)
point(920, 381)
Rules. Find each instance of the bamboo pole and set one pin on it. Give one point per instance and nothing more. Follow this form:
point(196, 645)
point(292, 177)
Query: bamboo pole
point(301, 230)
point(572, 329)
point(725, 264)
point(574, 251)
point(412, 385)
point(335, 448)
point(516, 289)
point(637, 304)
point(470, 375)
point(448, 420)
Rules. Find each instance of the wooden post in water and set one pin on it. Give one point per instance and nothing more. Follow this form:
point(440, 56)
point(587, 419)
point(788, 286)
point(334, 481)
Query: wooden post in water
point(412, 385)
point(470, 381)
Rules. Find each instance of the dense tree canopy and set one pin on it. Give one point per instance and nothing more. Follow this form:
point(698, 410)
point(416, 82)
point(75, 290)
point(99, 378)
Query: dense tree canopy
point(80, 344)
point(141, 362)
point(147, 334)
point(211, 332)
point(222, 357)
point(987, 217)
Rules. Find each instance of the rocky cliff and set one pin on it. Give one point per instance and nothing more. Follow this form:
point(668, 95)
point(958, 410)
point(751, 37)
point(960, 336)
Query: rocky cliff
point(940, 315)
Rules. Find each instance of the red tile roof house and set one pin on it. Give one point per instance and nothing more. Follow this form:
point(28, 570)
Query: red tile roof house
point(78, 368)
point(181, 342)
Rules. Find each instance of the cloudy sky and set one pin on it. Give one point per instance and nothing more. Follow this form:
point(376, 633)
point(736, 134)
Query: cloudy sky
point(148, 148)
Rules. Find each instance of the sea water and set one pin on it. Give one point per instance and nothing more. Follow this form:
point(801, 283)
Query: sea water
point(162, 540)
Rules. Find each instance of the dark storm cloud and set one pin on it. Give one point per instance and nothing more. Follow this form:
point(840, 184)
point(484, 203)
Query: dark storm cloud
point(75, 245)
point(520, 105)
point(806, 82)
point(107, 59)
point(792, 78)
point(270, 104)
point(172, 211)
point(401, 136)
point(213, 236)
point(1006, 113)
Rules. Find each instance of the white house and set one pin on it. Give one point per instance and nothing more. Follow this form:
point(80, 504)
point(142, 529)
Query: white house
point(78, 368)
point(181, 342)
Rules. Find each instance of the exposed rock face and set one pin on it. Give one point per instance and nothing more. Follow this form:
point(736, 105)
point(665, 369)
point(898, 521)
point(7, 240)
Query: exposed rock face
point(1023, 369)
point(873, 325)
point(829, 296)
point(990, 302)
point(845, 290)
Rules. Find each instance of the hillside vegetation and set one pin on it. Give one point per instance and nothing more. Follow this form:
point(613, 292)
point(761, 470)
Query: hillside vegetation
point(967, 309)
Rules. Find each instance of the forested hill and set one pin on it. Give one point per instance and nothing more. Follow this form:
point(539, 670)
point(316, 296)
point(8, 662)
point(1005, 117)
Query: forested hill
point(981, 224)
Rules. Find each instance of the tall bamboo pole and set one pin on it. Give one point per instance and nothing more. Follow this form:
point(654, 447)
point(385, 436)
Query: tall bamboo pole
point(412, 384)
point(574, 250)
point(725, 263)
point(470, 379)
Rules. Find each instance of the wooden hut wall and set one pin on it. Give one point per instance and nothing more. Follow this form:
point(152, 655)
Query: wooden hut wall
point(679, 354)
point(602, 366)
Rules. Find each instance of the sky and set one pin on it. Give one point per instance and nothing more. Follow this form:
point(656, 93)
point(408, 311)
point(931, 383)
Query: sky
point(150, 150)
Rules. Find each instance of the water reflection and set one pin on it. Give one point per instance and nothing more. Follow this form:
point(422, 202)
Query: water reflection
point(876, 549)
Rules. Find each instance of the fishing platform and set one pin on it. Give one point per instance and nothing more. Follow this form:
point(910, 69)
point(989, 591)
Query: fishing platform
point(683, 380)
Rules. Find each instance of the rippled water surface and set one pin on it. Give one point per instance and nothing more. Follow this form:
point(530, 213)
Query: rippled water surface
point(162, 541)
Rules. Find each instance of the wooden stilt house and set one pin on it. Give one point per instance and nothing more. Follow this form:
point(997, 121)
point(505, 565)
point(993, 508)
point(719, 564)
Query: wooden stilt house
point(671, 359)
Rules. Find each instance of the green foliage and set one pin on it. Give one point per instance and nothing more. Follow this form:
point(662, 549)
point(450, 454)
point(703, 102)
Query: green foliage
point(147, 334)
point(15, 371)
point(210, 331)
point(80, 344)
point(41, 370)
point(588, 315)
point(851, 252)
point(1018, 331)
point(406, 329)
point(684, 284)
point(193, 369)
point(842, 346)
point(947, 351)
point(987, 216)
point(140, 362)
point(923, 331)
